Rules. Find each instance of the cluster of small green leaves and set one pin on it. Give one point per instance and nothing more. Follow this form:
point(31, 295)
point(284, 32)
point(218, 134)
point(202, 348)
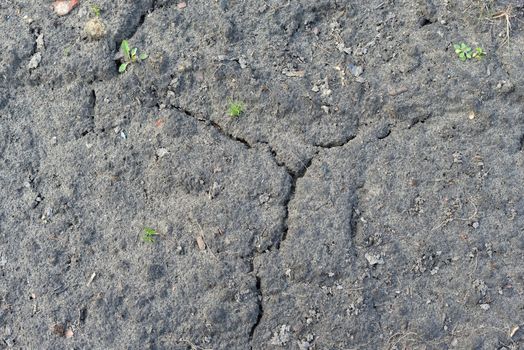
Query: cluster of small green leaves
point(95, 10)
point(235, 109)
point(149, 235)
point(465, 52)
point(129, 56)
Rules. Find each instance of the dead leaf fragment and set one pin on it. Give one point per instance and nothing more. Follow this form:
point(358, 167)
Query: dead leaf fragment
point(63, 7)
point(294, 73)
point(159, 122)
point(200, 242)
point(514, 330)
point(69, 333)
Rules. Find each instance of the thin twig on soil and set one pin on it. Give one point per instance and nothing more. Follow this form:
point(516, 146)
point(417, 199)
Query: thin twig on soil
point(505, 14)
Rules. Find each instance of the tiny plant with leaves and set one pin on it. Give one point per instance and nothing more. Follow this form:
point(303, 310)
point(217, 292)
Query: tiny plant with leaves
point(95, 10)
point(128, 56)
point(149, 235)
point(465, 52)
point(479, 53)
point(235, 109)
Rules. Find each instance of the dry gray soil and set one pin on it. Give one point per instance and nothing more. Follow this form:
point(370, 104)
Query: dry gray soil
point(371, 195)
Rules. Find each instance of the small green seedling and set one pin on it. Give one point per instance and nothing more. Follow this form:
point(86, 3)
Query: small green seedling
point(95, 10)
point(149, 234)
point(463, 51)
point(479, 53)
point(128, 55)
point(235, 109)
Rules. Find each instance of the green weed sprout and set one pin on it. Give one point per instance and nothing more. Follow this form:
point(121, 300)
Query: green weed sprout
point(149, 234)
point(235, 109)
point(479, 53)
point(95, 9)
point(463, 51)
point(129, 55)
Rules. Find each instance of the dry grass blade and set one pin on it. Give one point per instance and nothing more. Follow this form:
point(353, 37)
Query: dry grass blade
point(505, 14)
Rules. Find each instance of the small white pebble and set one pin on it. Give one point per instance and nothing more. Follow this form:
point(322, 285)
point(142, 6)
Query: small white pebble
point(161, 152)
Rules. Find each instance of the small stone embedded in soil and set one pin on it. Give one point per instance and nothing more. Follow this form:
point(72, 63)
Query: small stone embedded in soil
point(356, 70)
point(40, 42)
point(485, 307)
point(342, 48)
point(280, 336)
point(35, 61)
point(374, 259)
point(181, 5)
point(161, 152)
point(27, 19)
point(242, 62)
point(263, 198)
point(383, 132)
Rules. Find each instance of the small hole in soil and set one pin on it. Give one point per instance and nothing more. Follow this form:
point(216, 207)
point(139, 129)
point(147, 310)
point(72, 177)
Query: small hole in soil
point(423, 21)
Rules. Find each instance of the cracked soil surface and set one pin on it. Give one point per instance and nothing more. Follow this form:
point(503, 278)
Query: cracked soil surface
point(369, 197)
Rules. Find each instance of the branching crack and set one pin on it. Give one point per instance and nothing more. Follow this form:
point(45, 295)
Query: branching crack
point(295, 177)
point(290, 196)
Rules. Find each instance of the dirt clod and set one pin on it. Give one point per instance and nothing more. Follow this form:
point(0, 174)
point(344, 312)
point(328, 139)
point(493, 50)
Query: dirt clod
point(95, 29)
